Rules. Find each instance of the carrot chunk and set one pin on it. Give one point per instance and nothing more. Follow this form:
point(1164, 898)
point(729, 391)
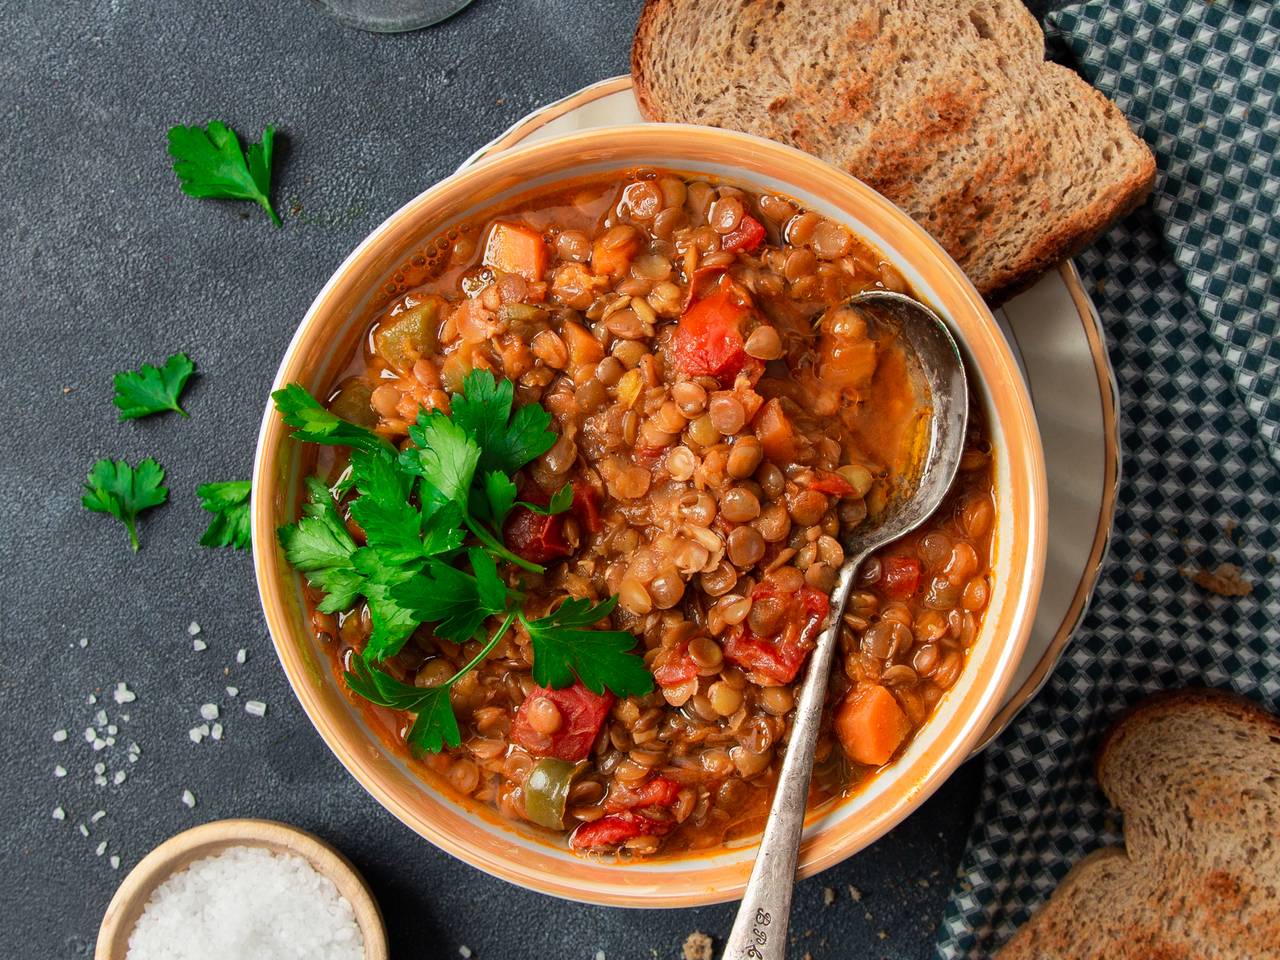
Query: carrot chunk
point(514, 248)
point(871, 726)
point(775, 433)
point(613, 261)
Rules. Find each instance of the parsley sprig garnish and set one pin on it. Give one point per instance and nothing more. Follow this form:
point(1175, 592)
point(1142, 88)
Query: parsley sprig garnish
point(209, 163)
point(432, 518)
point(151, 389)
point(228, 501)
point(115, 488)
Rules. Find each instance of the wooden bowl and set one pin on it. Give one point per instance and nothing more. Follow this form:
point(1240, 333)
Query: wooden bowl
point(210, 839)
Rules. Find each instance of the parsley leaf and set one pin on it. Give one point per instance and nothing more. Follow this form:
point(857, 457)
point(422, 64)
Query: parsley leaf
point(209, 163)
point(457, 602)
point(445, 456)
point(312, 423)
point(149, 389)
point(229, 503)
point(435, 724)
point(119, 490)
point(564, 644)
point(483, 410)
point(319, 546)
point(392, 622)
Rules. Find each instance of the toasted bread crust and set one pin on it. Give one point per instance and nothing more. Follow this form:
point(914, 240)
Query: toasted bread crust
point(1194, 772)
point(899, 159)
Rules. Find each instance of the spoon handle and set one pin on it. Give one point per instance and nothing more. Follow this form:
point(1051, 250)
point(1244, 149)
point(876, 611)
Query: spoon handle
point(760, 929)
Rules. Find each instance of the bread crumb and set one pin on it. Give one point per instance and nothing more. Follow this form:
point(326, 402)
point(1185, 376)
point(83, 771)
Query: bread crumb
point(883, 935)
point(697, 946)
point(1227, 580)
point(828, 896)
point(855, 894)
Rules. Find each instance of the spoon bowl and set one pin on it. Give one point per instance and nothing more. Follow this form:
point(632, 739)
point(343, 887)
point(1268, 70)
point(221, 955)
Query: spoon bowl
point(760, 929)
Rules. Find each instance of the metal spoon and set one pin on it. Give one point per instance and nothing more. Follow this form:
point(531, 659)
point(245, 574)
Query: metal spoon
point(760, 929)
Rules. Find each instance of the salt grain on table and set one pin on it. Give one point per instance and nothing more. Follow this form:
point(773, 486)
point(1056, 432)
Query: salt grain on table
point(59, 771)
point(209, 711)
point(255, 708)
point(59, 736)
point(247, 902)
point(189, 799)
point(193, 628)
point(59, 813)
point(198, 645)
point(241, 656)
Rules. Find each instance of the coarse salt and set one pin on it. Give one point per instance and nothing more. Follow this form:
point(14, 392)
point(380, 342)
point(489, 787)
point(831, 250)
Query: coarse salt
point(193, 629)
point(101, 718)
point(102, 848)
point(209, 711)
point(119, 777)
point(99, 744)
point(59, 771)
point(255, 708)
point(59, 736)
point(84, 642)
point(114, 861)
point(99, 768)
point(59, 813)
point(198, 645)
point(123, 694)
point(247, 902)
point(241, 656)
point(464, 951)
point(233, 691)
point(189, 799)
point(98, 815)
point(84, 831)
point(216, 731)
point(90, 734)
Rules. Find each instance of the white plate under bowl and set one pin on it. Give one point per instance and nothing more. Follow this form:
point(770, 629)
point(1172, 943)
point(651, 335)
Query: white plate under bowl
point(1057, 336)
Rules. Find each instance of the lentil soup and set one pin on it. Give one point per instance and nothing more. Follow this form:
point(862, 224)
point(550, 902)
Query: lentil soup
point(718, 439)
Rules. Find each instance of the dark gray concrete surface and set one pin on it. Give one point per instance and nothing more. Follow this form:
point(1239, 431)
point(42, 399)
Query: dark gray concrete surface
point(104, 265)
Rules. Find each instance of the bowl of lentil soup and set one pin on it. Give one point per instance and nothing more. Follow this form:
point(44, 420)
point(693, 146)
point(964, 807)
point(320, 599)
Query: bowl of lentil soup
point(654, 290)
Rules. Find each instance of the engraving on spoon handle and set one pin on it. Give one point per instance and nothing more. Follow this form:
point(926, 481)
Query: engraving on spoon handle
point(760, 929)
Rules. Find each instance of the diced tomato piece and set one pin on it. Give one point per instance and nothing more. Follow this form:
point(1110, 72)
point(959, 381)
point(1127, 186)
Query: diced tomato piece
point(581, 714)
point(654, 792)
point(586, 506)
point(515, 248)
point(747, 235)
point(616, 828)
point(899, 576)
point(678, 668)
point(777, 659)
point(831, 483)
point(708, 341)
point(537, 538)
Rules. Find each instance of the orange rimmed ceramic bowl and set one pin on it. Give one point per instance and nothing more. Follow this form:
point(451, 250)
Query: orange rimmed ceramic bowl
point(322, 348)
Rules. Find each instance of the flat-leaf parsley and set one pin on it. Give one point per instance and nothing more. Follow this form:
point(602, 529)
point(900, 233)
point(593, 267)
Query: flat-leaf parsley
point(433, 554)
point(121, 491)
point(150, 389)
point(228, 501)
point(209, 163)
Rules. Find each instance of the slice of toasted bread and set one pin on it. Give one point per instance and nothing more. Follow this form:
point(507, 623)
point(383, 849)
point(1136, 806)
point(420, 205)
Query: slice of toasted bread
point(1197, 775)
point(947, 107)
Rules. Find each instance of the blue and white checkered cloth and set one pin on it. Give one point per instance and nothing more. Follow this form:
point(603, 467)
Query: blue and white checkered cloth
point(1189, 292)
